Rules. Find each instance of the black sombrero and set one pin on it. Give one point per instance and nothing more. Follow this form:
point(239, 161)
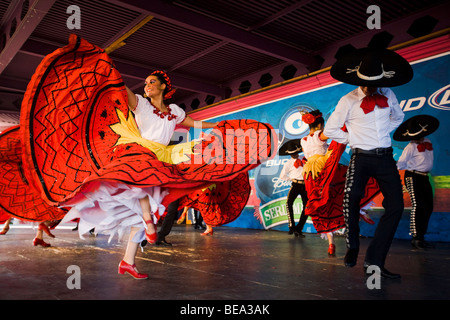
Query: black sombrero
point(290, 147)
point(372, 67)
point(416, 127)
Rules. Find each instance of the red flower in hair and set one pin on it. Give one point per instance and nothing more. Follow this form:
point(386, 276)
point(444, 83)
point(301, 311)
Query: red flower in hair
point(308, 118)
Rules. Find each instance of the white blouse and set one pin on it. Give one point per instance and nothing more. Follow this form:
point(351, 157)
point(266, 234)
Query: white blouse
point(412, 159)
point(152, 126)
point(312, 144)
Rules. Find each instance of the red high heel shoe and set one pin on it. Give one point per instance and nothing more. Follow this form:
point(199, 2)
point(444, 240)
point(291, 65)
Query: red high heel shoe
point(40, 242)
point(44, 228)
point(151, 237)
point(132, 271)
point(366, 218)
point(331, 250)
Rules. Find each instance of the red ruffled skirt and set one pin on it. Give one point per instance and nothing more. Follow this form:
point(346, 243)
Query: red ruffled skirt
point(326, 192)
point(67, 147)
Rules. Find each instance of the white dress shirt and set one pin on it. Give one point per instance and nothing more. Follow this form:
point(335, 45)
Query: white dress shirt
point(290, 172)
point(151, 126)
point(365, 131)
point(413, 160)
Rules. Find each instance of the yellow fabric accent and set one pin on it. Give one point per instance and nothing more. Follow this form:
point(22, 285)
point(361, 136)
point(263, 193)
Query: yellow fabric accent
point(315, 164)
point(211, 187)
point(129, 133)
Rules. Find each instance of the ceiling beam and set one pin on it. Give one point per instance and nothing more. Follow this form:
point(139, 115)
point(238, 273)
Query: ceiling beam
point(185, 18)
point(279, 14)
point(198, 55)
point(119, 40)
point(25, 27)
point(40, 47)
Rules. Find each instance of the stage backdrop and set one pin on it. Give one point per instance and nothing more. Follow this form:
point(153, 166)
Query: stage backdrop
point(428, 93)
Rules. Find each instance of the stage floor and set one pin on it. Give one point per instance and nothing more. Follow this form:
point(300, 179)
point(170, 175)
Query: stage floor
point(234, 264)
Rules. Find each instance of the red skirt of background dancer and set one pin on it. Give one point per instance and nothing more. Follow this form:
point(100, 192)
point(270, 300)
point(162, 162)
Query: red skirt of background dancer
point(221, 202)
point(326, 192)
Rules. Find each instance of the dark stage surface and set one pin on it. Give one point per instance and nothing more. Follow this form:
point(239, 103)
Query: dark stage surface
point(233, 265)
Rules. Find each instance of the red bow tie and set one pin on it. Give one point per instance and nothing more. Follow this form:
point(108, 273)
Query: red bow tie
point(424, 146)
point(369, 102)
point(298, 163)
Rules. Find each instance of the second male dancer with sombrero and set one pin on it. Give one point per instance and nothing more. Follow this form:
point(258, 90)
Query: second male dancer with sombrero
point(370, 113)
point(417, 161)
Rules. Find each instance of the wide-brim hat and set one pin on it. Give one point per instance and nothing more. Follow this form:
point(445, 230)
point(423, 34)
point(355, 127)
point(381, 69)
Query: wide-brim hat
point(416, 128)
point(290, 147)
point(372, 67)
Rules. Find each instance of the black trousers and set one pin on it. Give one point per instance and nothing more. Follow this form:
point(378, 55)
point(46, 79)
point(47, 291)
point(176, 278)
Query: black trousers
point(383, 168)
point(198, 219)
point(296, 190)
point(167, 224)
point(421, 194)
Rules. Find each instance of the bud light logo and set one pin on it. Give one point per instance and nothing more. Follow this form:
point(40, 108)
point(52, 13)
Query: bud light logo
point(291, 124)
point(267, 183)
point(440, 99)
point(270, 189)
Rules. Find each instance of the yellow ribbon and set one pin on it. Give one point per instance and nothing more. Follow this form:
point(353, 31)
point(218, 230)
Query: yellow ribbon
point(315, 164)
point(128, 131)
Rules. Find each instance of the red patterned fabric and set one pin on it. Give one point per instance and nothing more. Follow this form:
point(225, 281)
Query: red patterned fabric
point(4, 217)
point(326, 193)
point(221, 202)
point(20, 198)
point(68, 116)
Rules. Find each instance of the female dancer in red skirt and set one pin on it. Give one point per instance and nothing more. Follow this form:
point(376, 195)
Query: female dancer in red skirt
point(325, 179)
point(85, 151)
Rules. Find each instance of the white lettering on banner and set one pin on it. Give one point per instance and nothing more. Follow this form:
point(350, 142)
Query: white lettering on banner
point(406, 105)
point(445, 99)
point(277, 162)
point(271, 166)
point(438, 100)
point(280, 210)
point(280, 185)
point(443, 95)
point(275, 212)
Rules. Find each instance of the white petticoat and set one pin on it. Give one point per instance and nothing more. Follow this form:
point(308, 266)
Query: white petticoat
point(113, 208)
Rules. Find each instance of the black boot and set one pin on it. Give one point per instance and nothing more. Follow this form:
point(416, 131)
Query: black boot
point(350, 257)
